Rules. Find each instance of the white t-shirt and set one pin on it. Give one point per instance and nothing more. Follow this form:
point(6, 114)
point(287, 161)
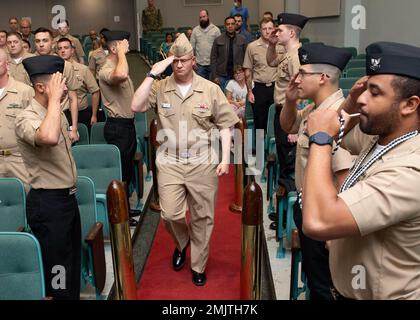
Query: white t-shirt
point(1, 91)
point(184, 88)
point(238, 93)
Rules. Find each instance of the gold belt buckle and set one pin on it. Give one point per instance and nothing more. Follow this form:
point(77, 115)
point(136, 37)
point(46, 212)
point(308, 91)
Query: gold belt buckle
point(6, 153)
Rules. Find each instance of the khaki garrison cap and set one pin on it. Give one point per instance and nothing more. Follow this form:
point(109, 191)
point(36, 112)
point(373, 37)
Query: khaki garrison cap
point(181, 46)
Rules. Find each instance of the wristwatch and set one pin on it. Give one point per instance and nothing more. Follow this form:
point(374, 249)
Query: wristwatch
point(321, 139)
point(151, 75)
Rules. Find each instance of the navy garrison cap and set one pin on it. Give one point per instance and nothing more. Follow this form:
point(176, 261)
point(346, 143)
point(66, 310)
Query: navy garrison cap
point(292, 19)
point(116, 35)
point(393, 58)
point(322, 54)
point(43, 65)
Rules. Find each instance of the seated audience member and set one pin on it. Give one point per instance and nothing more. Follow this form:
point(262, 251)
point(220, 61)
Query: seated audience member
point(26, 31)
point(26, 45)
point(188, 33)
point(236, 91)
point(166, 45)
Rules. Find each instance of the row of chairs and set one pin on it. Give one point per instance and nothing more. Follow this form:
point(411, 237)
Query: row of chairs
point(21, 268)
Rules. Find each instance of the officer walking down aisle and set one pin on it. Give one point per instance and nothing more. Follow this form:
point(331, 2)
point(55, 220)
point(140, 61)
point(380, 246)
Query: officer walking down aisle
point(189, 108)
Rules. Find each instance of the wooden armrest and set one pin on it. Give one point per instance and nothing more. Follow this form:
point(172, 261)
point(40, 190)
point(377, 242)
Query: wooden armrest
point(281, 192)
point(48, 299)
point(20, 229)
point(95, 241)
point(295, 240)
point(138, 162)
point(146, 136)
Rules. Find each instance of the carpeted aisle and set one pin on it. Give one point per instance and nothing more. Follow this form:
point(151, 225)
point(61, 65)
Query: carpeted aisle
point(160, 282)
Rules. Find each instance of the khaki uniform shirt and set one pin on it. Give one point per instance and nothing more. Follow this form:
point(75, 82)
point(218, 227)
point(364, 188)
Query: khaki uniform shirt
point(116, 98)
point(288, 66)
point(189, 121)
point(97, 60)
point(14, 99)
point(48, 167)
point(87, 84)
point(79, 52)
point(256, 61)
point(385, 204)
point(341, 160)
point(18, 71)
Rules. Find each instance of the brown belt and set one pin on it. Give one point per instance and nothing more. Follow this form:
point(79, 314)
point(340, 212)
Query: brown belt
point(6, 153)
point(337, 295)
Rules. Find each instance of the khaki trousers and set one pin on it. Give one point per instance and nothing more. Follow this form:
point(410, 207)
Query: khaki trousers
point(195, 186)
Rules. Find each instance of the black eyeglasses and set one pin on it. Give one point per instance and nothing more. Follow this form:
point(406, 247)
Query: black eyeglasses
point(303, 73)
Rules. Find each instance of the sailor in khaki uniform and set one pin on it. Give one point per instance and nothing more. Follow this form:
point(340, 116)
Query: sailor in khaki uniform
point(51, 206)
point(317, 80)
point(44, 46)
point(16, 56)
point(87, 84)
point(374, 220)
point(263, 76)
point(64, 32)
point(98, 57)
point(14, 98)
point(287, 63)
point(117, 93)
point(189, 107)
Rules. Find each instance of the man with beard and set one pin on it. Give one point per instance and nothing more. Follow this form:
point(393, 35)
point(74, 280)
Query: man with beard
point(188, 107)
point(202, 39)
point(317, 80)
point(374, 220)
point(228, 50)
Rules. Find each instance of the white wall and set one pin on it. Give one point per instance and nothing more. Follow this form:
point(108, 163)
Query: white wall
point(390, 20)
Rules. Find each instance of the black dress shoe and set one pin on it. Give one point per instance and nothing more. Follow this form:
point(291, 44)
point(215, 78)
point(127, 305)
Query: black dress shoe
point(178, 258)
point(133, 222)
point(199, 279)
point(273, 226)
point(134, 213)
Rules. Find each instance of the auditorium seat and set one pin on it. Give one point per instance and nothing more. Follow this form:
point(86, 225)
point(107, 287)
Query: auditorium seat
point(168, 29)
point(347, 83)
point(352, 50)
point(102, 164)
point(361, 56)
point(93, 265)
point(356, 63)
point(21, 269)
point(12, 205)
point(97, 133)
point(83, 134)
point(356, 72)
point(304, 40)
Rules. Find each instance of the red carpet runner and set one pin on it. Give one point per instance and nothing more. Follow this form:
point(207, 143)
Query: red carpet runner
point(160, 282)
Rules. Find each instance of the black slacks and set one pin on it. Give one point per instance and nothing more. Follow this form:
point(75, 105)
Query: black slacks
point(122, 133)
point(286, 152)
point(264, 98)
point(54, 218)
point(315, 262)
point(84, 117)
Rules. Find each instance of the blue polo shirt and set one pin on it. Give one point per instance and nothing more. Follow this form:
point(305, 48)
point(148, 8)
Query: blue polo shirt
point(243, 12)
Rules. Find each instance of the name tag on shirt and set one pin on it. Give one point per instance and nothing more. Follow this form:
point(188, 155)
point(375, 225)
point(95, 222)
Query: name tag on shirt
point(166, 106)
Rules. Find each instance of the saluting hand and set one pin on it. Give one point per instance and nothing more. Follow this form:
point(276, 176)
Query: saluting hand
point(273, 39)
point(292, 92)
point(358, 88)
point(56, 87)
point(161, 66)
point(123, 46)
